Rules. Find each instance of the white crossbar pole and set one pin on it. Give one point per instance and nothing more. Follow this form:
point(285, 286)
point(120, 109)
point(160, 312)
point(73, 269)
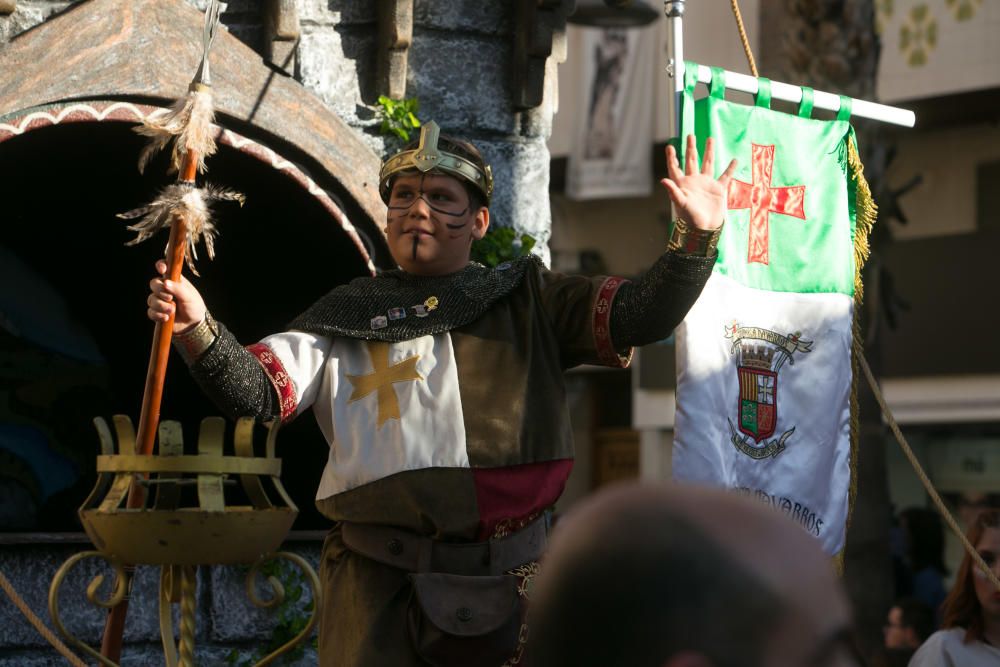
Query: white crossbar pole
point(674, 9)
point(821, 100)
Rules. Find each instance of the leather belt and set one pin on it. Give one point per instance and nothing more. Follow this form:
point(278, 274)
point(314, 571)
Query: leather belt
point(413, 553)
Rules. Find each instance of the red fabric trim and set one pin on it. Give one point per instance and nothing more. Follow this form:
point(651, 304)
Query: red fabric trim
point(516, 492)
point(602, 325)
point(279, 378)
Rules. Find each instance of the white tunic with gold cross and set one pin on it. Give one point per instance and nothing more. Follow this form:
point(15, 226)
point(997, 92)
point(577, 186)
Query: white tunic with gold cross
point(384, 408)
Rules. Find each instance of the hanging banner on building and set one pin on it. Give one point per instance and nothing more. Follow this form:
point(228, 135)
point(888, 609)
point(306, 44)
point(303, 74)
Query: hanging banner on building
point(610, 153)
point(764, 381)
point(932, 48)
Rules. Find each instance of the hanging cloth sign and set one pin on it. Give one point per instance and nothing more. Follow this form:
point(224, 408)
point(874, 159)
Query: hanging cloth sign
point(610, 153)
point(764, 383)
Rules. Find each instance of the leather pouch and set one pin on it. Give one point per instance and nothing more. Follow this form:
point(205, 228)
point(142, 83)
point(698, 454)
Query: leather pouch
point(464, 620)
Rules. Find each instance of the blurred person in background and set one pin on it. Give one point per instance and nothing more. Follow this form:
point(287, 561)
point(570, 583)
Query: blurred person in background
point(970, 504)
point(966, 506)
point(971, 627)
point(908, 624)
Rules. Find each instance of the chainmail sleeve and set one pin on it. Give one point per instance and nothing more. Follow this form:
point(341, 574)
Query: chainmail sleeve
point(235, 380)
point(649, 309)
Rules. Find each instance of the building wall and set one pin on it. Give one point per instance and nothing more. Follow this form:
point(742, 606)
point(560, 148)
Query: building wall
point(947, 160)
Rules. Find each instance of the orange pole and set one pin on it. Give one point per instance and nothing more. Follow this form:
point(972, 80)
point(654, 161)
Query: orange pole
point(149, 415)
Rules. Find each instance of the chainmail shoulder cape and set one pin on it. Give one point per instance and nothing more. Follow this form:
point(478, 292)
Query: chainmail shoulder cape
point(231, 376)
point(395, 306)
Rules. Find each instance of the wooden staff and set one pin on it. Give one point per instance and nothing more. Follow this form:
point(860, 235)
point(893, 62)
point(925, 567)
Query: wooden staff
point(188, 126)
point(149, 416)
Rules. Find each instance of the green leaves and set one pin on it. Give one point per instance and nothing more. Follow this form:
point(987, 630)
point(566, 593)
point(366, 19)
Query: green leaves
point(501, 244)
point(399, 117)
point(291, 617)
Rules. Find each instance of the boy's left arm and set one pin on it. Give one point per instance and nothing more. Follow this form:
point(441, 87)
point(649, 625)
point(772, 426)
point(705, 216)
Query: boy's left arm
point(648, 310)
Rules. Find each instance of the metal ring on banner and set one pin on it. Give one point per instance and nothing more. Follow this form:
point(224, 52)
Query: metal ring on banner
point(717, 86)
point(806, 105)
point(844, 113)
point(763, 96)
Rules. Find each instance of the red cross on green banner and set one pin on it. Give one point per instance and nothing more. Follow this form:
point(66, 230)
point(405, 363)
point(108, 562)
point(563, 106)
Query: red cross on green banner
point(762, 199)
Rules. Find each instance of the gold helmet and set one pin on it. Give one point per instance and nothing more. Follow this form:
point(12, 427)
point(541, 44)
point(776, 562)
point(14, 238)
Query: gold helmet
point(428, 157)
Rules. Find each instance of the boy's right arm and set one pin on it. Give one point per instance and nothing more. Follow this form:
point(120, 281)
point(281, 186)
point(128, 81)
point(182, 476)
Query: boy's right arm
point(225, 370)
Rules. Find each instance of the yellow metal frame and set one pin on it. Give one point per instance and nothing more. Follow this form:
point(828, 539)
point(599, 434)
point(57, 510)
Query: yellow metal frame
point(179, 539)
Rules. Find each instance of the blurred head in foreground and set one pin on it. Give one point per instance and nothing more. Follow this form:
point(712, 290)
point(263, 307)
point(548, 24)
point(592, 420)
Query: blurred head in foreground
point(680, 576)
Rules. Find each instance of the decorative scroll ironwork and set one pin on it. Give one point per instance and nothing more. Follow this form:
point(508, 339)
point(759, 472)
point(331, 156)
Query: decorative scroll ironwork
point(119, 592)
point(278, 596)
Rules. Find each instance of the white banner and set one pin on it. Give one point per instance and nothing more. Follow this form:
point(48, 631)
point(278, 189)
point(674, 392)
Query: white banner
point(610, 155)
point(763, 391)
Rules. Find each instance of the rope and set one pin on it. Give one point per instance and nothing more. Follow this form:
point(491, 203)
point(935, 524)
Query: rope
point(743, 36)
point(43, 630)
point(931, 491)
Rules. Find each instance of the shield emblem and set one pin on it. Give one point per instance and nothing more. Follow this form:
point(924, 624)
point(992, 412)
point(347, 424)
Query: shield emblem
point(758, 402)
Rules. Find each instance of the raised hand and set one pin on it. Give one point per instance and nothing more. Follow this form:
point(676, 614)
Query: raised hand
point(698, 198)
point(167, 296)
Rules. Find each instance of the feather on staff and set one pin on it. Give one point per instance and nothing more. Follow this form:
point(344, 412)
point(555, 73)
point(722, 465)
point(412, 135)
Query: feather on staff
point(188, 123)
point(182, 200)
point(188, 126)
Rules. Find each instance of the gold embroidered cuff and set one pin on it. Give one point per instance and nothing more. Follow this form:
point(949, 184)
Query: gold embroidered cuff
point(691, 240)
point(192, 343)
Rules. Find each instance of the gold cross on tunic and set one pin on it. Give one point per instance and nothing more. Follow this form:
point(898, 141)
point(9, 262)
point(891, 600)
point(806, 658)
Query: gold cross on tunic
point(382, 379)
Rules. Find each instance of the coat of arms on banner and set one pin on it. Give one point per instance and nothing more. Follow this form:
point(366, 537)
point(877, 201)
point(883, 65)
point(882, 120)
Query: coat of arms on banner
point(760, 355)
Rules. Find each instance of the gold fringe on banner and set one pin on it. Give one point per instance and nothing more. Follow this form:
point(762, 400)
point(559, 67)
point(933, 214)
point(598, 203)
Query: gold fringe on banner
point(865, 214)
point(865, 211)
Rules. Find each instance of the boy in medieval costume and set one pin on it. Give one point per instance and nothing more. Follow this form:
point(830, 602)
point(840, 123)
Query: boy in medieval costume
point(439, 388)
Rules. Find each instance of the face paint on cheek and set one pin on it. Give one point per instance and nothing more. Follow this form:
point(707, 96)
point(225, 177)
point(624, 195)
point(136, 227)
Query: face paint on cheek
point(454, 229)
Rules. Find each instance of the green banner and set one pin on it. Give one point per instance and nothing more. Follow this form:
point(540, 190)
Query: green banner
point(791, 222)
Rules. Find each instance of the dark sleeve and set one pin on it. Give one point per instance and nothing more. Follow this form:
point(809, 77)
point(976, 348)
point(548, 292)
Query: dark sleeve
point(235, 380)
point(579, 310)
point(649, 309)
